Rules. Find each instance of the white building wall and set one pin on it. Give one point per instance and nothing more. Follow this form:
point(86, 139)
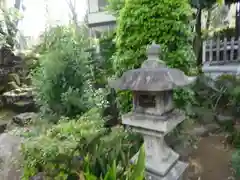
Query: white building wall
point(97, 17)
point(93, 6)
point(100, 17)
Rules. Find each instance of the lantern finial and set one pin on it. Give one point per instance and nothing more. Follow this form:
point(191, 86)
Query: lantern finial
point(153, 61)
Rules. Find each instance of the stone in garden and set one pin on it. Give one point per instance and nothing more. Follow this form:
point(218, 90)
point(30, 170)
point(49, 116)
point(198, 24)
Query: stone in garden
point(15, 95)
point(203, 130)
point(9, 157)
point(212, 128)
point(154, 115)
point(24, 118)
point(1, 102)
point(223, 119)
point(198, 131)
point(20, 100)
point(3, 125)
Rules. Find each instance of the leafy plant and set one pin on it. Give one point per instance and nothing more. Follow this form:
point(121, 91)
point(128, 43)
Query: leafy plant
point(101, 65)
point(220, 94)
point(101, 62)
point(79, 145)
point(236, 162)
point(63, 79)
point(115, 6)
point(134, 171)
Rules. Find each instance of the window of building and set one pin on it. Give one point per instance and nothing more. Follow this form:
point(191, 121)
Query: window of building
point(102, 4)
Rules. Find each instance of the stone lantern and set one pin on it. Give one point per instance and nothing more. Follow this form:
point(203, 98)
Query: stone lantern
point(154, 114)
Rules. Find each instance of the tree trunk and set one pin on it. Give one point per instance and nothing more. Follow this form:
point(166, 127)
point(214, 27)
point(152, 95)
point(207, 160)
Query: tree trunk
point(237, 20)
point(72, 7)
point(209, 16)
point(198, 38)
point(17, 5)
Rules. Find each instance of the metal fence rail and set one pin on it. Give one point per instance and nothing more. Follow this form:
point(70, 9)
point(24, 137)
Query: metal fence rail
point(221, 51)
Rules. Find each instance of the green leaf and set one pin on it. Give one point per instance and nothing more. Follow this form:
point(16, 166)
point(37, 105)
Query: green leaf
point(112, 172)
point(220, 2)
point(139, 168)
point(89, 176)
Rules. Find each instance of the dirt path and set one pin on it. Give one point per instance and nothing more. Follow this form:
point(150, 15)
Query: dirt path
point(211, 160)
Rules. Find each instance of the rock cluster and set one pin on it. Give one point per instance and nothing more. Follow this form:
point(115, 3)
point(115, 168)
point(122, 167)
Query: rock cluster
point(19, 100)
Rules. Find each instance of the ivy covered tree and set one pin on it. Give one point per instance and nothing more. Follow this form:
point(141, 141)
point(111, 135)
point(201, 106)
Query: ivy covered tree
point(115, 6)
point(167, 22)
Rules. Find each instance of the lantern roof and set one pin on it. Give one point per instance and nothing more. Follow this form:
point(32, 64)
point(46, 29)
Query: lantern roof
point(153, 75)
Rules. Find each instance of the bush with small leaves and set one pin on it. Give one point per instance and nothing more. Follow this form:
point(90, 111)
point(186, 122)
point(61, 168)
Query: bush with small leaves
point(63, 79)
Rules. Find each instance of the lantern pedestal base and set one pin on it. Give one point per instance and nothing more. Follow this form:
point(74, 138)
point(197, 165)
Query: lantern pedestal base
point(162, 163)
point(175, 173)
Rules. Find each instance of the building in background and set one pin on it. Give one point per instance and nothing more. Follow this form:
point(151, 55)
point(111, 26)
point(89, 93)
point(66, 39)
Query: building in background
point(98, 19)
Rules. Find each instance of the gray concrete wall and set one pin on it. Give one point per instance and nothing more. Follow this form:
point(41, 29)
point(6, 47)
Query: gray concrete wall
point(97, 17)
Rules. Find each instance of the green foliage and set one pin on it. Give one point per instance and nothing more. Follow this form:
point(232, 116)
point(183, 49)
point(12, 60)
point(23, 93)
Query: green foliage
point(100, 62)
point(202, 3)
point(80, 145)
point(143, 21)
point(63, 79)
point(225, 32)
point(60, 34)
point(221, 33)
point(101, 65)
point(115, 6)
point(221, 95)
point(236, 162)
point(107, 49)
point(134, 172)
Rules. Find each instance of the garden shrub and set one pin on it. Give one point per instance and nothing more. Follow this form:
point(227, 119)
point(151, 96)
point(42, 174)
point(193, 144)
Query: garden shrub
point(101, 62)
point(102, 68)
point(220, 33)
point(221, 94)
point(107, 49)
point(143, 21)
point(63, 79)
point(76, 146)
point(222, 97)
point(236, 163)
point(115, 6)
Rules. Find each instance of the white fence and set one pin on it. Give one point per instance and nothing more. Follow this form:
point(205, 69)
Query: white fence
point(221, 51)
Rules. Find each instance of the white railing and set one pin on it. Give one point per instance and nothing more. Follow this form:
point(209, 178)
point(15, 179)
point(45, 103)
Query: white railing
point(221, 51)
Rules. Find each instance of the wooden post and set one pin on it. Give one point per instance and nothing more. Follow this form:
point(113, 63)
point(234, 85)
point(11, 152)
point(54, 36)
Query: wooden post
point(225, 49)
point(210, 51)
point(218, 49)
point(204, 52)
point(238, 49)
point(232, 49)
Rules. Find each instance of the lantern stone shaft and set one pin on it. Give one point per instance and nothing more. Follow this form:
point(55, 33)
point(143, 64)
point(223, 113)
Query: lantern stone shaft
point(154, 114)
